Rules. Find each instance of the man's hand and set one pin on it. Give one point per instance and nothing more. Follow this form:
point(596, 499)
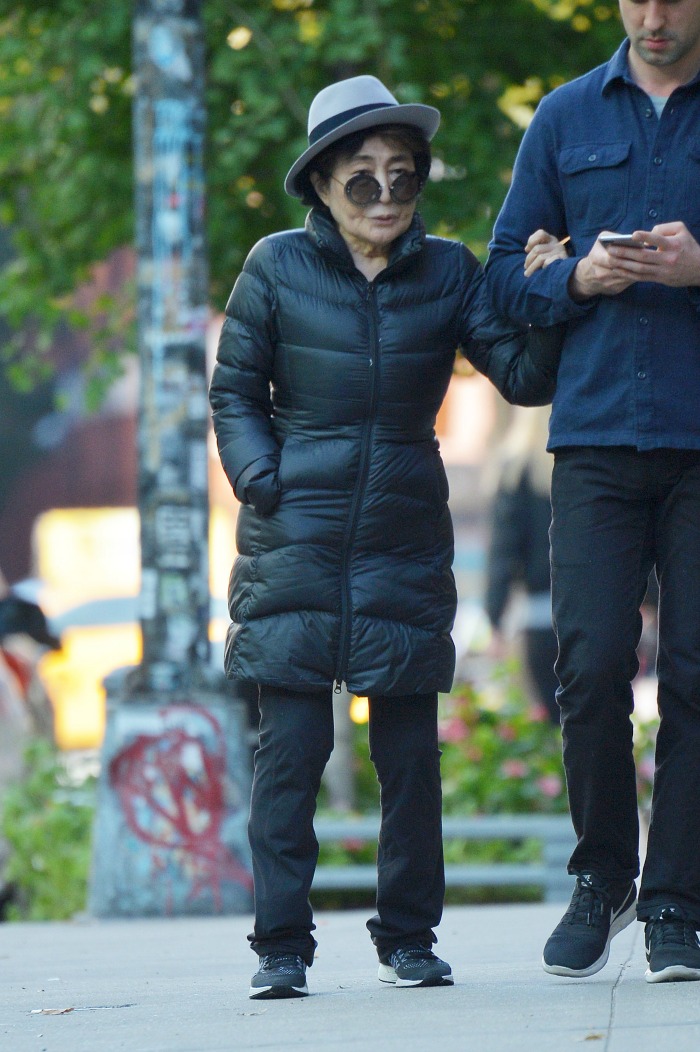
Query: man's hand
point(598, 273)
point(542, 249)
point(676, 261)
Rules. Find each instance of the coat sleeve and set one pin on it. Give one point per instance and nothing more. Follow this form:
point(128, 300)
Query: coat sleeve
point(521, 363)
point(239, 392)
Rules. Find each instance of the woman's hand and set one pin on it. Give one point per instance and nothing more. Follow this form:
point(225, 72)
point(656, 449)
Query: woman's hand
point(542, 249)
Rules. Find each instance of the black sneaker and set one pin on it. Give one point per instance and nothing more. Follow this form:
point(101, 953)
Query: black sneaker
point(279, 975)
point(580, 943)
point(672, 946)
point(415, 966)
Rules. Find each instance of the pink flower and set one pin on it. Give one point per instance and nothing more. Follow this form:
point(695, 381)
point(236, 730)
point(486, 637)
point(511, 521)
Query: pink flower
point(646, 768)
point(514, 769)
point(453, 730)
point(507, 733)
point(352, 844)
point(550, 785)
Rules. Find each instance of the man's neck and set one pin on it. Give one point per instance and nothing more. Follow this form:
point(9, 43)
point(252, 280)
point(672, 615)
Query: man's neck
point(662, 81)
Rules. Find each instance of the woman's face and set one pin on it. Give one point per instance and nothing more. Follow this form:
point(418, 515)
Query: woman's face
point(369, 230)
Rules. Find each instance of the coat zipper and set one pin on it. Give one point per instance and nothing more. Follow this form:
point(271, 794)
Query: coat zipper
point(358, 494)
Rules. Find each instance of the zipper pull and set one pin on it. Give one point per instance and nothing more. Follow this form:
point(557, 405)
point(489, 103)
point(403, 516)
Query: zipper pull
point(337, 689)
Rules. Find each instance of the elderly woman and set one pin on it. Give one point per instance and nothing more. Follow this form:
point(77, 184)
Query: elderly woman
point(334, 358)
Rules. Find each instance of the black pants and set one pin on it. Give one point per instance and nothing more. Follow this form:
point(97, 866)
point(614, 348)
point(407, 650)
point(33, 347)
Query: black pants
point(296, 740)
point(616, 513)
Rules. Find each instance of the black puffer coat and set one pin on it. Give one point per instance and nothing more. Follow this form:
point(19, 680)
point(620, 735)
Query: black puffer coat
point(324, 396)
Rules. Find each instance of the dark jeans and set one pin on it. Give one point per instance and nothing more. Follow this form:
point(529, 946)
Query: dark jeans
point(296, 740)
point(616, 513)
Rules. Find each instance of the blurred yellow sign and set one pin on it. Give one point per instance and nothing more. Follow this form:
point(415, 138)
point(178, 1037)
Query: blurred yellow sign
point(88, 560)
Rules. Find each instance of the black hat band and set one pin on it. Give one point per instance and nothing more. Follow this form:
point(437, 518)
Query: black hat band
point(342, 118)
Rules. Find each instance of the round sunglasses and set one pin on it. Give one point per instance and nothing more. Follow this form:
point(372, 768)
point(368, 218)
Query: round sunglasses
point(363, 189)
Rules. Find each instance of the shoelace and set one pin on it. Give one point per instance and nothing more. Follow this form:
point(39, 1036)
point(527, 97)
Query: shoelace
point(281, 962)
point(670, 928)
point(589, 903)
point(408, 954)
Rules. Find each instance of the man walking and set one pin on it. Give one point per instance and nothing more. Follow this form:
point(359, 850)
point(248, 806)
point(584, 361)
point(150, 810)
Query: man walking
point(618, 150)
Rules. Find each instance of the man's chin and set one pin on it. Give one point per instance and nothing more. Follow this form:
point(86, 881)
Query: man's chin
point(658, 56)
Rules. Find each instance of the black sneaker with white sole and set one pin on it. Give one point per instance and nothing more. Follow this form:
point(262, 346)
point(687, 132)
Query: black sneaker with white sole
point(279, 975)
point(580, 943)
point(414, 965)
point(673, 950)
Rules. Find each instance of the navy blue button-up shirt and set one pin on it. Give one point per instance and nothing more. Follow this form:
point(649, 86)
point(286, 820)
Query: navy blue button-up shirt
point(597, 157)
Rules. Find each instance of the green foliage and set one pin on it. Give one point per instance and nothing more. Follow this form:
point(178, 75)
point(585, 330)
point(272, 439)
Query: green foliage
point(48, 832)
point(66, 88)
point(645, 731)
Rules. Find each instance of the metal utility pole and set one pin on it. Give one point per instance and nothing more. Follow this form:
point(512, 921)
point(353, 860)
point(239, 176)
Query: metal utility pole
point(170, 835)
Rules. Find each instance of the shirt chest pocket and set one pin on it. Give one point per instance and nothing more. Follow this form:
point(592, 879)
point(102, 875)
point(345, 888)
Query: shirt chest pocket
point(595, 183)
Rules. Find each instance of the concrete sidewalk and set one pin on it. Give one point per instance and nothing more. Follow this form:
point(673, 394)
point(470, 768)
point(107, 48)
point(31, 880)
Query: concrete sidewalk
point(181, 986)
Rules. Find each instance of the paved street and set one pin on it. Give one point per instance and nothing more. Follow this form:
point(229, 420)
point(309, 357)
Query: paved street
point(181, 986)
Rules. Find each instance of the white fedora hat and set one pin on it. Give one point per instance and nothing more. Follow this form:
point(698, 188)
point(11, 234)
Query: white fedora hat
point(349, 106)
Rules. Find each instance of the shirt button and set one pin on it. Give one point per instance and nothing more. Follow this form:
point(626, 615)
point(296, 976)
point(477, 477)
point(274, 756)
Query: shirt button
point(653, 213)
point(593, 157)
point(643, 320)
point(648, 112)
point(642, 375)
point(658, 160)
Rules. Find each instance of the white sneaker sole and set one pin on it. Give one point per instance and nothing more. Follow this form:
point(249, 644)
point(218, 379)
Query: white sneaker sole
point(269, 993)
point(675, 973)
point(618, 925)
point(386, 974)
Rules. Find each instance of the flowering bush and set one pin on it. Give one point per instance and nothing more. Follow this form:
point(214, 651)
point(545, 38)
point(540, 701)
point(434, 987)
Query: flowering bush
point(500, 754)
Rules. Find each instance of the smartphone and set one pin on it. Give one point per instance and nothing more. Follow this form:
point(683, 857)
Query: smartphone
point(622, 239)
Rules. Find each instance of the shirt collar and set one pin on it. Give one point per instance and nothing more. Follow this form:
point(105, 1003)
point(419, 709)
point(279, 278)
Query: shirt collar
point(618, 69)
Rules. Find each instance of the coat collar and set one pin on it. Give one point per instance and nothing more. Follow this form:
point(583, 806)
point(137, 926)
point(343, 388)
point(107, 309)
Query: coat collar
point(326, 237)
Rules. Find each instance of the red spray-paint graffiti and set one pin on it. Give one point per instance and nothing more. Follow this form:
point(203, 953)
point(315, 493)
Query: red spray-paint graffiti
point(171, 788)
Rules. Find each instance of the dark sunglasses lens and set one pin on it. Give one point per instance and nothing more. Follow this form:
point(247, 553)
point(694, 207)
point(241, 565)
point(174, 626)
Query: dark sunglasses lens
point(406, 187)
point(363, 189)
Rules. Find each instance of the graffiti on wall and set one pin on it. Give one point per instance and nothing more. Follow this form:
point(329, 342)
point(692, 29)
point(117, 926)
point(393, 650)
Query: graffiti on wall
point(171, 784)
